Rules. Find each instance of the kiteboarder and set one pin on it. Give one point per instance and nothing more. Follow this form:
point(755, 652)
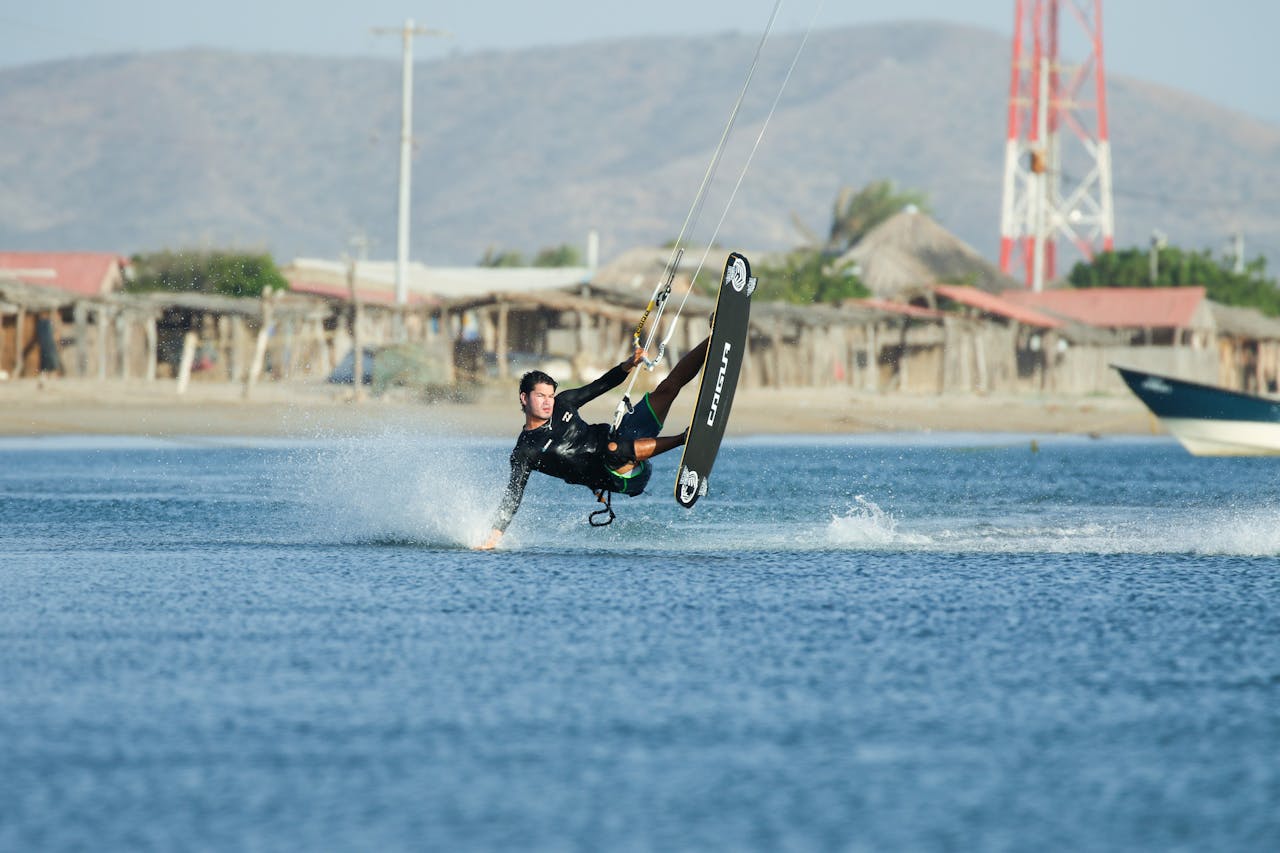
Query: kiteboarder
point(557, 441)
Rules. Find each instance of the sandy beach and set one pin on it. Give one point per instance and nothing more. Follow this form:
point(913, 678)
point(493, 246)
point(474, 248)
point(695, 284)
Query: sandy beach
point(29, 407)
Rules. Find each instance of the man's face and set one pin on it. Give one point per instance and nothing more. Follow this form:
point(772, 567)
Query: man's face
point(540, 401)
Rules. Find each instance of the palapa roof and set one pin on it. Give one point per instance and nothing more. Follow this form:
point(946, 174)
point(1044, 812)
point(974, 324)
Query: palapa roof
point(641, 269)
point(18, 295)
point(909, 251)
point(1245, 322)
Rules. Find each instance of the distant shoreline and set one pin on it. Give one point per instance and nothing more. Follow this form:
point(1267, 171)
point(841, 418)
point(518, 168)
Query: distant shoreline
point(136, 408)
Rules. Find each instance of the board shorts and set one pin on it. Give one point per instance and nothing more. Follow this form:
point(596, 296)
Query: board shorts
point(640, 422)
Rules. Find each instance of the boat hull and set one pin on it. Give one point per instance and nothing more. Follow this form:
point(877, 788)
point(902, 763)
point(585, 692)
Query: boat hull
point(1225, 438)
point(1209, 421)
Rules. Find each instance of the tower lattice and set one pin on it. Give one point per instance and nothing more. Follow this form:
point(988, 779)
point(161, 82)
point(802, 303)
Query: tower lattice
point(1057, 170)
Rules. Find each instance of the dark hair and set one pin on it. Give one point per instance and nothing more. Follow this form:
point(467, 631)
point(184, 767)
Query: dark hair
point(535, 377)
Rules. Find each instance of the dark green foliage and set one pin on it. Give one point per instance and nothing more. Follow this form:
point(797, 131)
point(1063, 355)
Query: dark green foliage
point(806, 277)
point(493, 258)
point(224, 273)
point(1180, 268)
point(563, 255)
point(856, 213)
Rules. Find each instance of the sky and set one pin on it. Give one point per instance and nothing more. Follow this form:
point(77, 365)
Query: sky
point(1222, 50)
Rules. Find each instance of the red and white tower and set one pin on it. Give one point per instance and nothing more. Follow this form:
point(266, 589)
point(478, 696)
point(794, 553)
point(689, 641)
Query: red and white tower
point(1057, 167)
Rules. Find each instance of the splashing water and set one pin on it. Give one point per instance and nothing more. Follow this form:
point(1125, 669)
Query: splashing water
point(397, 486)
point(865, 523)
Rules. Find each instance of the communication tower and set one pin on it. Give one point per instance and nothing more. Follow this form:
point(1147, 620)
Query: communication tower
point(1057, 167)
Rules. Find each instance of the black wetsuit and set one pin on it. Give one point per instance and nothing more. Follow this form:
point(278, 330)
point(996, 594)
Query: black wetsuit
point(566, 447)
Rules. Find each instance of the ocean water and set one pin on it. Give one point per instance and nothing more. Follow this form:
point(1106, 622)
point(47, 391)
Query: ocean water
point(875, 643)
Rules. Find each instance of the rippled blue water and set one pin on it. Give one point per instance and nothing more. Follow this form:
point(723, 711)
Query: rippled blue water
point(874, 643)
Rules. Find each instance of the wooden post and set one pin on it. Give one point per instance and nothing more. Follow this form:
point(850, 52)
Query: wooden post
point(948, 344)
point(584, 346)
point(17, 342)
point(235, 361)
point(223, 323)
point(122, 344)
point(873, 358)
point(500, 342)
point(778, 379)
point(152, 343)
point(102, 342)
point(980, 361)
point(323, 357)
point(189, 341)
point(82, 343)
point(260, 348)
point(357, 344)
point(904, 383)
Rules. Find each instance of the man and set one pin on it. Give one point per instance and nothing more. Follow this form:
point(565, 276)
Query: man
point(557, 441)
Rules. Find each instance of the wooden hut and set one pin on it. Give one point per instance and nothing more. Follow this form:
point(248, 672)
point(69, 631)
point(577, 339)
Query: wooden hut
point(1165, 329)
point(27, 315)
point(1248, 349)
point(40, 289)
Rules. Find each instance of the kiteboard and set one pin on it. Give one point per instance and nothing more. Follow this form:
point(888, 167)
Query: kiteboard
point(720, 371)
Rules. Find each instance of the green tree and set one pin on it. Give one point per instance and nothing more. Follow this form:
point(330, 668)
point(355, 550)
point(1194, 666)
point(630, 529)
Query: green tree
point(222, 272)
point(1175, 267)
point(494, 258)
point(857, 212)
point(807, 277)
point(563, 255)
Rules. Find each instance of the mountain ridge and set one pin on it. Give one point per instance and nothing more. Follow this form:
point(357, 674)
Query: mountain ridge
point(525, 149)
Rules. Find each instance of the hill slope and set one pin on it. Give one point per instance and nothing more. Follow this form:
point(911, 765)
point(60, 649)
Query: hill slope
point(532, 148)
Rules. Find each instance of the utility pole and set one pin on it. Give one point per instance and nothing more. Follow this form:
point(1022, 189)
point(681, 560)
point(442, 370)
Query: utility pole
point(1158, 241)
point(407, 32)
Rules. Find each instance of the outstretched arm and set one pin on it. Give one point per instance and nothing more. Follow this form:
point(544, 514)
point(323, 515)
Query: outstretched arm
point(510, 502)
point(610, 379)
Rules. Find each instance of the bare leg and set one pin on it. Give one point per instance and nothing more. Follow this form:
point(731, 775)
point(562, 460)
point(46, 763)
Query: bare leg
point(664, 395)
point(647, 448)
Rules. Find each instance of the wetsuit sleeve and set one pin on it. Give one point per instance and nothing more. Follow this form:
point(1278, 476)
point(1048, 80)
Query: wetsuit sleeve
point(581, 396)
point(511, 498)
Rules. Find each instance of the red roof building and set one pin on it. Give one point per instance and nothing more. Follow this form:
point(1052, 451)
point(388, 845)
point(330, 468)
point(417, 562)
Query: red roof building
point(82, 273)
point(1122, 307)
point(998, 306)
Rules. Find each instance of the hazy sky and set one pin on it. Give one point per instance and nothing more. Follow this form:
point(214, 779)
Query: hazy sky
point(1223, 50)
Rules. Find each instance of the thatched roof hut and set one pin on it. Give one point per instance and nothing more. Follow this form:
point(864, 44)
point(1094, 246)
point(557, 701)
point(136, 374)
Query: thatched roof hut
point(907, 253)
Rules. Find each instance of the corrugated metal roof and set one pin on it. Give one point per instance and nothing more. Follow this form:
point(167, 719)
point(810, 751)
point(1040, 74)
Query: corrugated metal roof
point(1118, 307)
point(984, 301)
point(375, 280)
point(84, 273)
point(367, 293)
